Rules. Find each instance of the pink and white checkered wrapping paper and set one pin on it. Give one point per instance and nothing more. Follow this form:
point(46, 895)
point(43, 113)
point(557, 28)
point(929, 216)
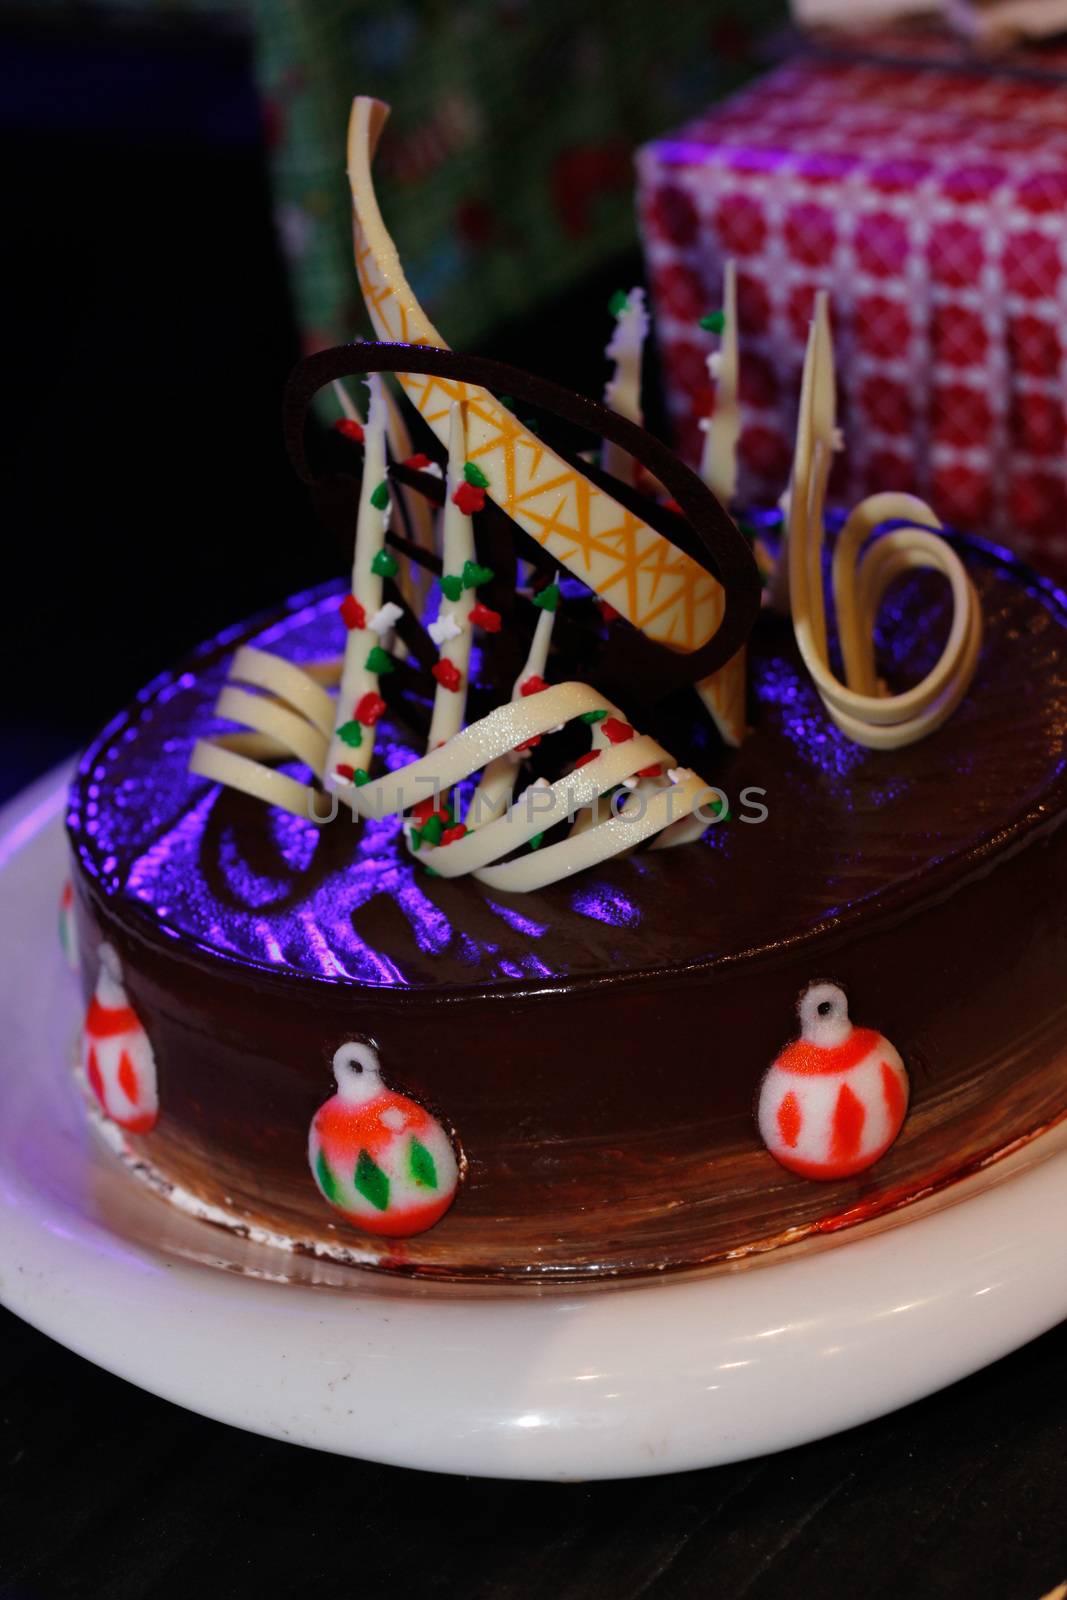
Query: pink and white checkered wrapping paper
point(933, 205)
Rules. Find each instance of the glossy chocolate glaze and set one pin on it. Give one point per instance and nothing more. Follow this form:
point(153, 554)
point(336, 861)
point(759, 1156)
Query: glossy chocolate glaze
point(596, 1047)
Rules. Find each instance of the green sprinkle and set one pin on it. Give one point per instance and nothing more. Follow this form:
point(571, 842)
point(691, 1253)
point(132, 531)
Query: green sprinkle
point(451, 586)
point(593, 716)
point(474, 575)
point(326, 1180)
point(474, 474)
point(359, 777)
point(380, 496)
point(714, 322)
point(532, 425)
point(385, 564)
point(431, 872)
point(537, 841)
point(422, 1165)
point(371, 1181)
point(432, 829)
point(547, 599)
point(619, 302)
point(351, 733)
point(507, 401)
point(379, 661)
point(415, 840)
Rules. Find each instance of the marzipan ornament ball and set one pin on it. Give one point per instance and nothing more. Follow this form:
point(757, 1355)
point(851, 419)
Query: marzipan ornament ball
point(380, 1159)
point(117, 1057)
point(836, 1098)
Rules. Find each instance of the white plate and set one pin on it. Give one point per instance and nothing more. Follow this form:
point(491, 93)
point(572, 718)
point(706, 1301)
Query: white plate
point(597, 1384)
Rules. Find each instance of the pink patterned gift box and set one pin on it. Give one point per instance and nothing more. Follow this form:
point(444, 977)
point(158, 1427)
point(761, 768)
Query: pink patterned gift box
point(932, 203)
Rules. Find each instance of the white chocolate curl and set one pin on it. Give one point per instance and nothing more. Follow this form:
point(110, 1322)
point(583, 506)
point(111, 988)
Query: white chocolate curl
point(294, 717)
point(861, 706)
point(296, 714)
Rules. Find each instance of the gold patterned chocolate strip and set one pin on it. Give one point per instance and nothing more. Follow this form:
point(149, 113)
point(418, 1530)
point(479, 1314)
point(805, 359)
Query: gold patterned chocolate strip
point(656, 587)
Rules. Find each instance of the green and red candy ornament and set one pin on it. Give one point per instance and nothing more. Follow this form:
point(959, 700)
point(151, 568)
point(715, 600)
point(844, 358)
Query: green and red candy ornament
point(116, 1054)
point(381, 1160)
point(836, 1098)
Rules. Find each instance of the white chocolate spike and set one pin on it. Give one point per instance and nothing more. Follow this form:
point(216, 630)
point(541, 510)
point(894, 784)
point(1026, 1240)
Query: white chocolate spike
point(820, 377)
point(450, 705)
point(413, 580)
point(718, 464)
point(623, 389)
point(497, 783)
point(725, 693)
point(371, 524)
point(860, 706)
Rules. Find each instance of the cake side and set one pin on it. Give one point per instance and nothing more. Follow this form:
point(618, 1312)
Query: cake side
point(604, 1111)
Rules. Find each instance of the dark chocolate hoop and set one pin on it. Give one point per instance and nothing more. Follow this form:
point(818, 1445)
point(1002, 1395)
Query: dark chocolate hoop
point(720, 547)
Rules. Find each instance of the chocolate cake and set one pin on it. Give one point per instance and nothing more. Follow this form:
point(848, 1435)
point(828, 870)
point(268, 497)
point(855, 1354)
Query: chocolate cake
point(562, 1049)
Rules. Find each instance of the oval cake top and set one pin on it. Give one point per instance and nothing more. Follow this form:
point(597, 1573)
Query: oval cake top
point(817, 827)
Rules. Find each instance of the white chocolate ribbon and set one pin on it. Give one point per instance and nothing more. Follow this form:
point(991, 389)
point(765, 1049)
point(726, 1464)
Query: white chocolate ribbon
point(861, 706)
point(296, 716)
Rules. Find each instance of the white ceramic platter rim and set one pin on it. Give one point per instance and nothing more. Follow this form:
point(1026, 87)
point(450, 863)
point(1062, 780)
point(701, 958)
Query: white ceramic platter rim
point(649, 1379)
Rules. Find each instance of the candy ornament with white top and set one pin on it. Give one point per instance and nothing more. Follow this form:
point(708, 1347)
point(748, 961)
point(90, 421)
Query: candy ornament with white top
point(381, 1160)
point(836, 1098)
point(118, 1060)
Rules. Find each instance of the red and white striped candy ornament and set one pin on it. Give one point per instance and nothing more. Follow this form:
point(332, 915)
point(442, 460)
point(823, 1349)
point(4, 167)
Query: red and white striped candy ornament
point(836, 1098)
point(381, 1160)
point(117, 1056)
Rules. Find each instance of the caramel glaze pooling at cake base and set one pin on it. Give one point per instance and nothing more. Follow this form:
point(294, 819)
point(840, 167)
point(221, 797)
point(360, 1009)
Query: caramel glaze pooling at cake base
point(605, 1103)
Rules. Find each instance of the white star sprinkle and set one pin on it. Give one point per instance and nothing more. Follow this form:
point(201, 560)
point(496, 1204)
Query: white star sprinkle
point(446, 627)
point(386, 619)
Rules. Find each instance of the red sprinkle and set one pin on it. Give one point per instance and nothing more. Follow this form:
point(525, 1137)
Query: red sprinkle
point(469, 498)
point(532, 685)
point(349, 428)
point(583, 761)
point(369, 708)
point(528, 744)
point(451, 835)
point(418, 461)
point(617, 731)
point(650, 772)
point(485, 617)
point(672, 505)
point(607, 611)
point(352, 613)
point(344, 771)
point(447, 674)
point(426, 809)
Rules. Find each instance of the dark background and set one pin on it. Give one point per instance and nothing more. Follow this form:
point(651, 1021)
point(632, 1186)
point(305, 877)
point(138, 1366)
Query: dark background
point(148, 335)
point(150, 328)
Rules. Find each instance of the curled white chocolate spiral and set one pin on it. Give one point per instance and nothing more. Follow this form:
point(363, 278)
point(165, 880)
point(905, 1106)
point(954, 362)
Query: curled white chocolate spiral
point(296, 715)
point(293, 717)
point(861, 706)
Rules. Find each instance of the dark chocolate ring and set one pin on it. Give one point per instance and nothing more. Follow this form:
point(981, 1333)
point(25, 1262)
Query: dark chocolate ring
point(721, 547)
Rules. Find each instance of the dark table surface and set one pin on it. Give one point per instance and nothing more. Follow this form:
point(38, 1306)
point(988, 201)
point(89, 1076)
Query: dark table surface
point(109, 1492)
